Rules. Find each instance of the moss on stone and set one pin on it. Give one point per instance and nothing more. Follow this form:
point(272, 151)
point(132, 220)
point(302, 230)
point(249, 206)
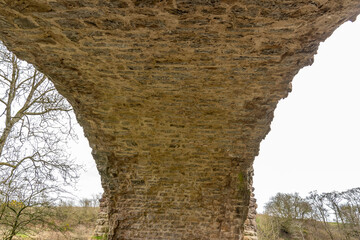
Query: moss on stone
point(242, 181)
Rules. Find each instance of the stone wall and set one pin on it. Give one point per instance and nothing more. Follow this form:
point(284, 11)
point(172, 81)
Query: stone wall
point(250, 231)
point(102, 223)
point(174, 96)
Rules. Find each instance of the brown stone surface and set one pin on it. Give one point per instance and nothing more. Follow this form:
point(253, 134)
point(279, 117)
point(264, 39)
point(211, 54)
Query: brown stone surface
point(250, 231)
point(102, 223)
point(174, 96)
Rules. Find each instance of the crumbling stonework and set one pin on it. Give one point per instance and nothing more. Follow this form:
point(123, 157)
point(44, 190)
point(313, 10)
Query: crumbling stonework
point(250, 232)
point(102, 223)
point(174, 96)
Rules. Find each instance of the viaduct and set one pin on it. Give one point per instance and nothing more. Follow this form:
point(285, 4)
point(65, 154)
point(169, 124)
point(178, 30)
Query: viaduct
point(174, 96)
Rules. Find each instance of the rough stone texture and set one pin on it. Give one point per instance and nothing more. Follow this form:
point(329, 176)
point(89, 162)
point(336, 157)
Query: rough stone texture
point(174, 96)
point(250, 231)
point(102, 223)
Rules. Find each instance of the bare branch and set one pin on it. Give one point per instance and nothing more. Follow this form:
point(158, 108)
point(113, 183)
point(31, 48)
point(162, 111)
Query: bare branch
point(33, 156)
point(7, 164)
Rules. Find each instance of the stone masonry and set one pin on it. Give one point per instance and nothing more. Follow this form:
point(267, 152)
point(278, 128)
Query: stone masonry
point(102, 223)
point(174, 96)
point(250, 231)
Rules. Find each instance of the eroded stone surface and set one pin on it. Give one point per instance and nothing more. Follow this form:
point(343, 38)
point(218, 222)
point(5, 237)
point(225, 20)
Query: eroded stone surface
point(174, 96)
point(250, 231)
point(102, 222)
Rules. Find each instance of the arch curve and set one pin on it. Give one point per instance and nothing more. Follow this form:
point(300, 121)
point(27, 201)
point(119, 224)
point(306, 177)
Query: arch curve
point(174, 96)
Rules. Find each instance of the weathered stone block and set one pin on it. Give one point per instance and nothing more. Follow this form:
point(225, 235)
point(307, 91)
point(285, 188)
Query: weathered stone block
point(174, 97)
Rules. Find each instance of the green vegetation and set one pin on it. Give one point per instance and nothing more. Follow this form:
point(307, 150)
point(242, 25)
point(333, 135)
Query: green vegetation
point(35, 126)
point(334, 215)
point(65, 221)
point(242, 182)
point(99, 237)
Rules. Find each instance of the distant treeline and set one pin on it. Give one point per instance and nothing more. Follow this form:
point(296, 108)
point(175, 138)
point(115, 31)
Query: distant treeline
point(333, 215)
point(62, 220)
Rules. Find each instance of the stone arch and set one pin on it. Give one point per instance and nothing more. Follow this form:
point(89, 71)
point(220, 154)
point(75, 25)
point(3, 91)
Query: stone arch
point(174, 96)
point(303, 123)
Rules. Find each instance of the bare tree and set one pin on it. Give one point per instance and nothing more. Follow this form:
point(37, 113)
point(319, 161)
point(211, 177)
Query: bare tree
point(340, 210)
point(26, 203)
point(35, 124)
point(291, 212)
point(320, 211)
point(351, 210)
point(268, 228)
point(333, 215)
point(344, 207)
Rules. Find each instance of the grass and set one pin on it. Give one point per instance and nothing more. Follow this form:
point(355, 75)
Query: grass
point(268, 229)
point(98, 237)
point(70, 223)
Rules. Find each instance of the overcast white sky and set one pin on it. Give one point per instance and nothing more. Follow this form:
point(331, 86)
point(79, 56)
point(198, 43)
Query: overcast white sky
point(314, 142)
point(314, 139)
point(89, 183)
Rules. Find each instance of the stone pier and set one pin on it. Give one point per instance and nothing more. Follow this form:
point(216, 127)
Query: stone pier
point(174, 96)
